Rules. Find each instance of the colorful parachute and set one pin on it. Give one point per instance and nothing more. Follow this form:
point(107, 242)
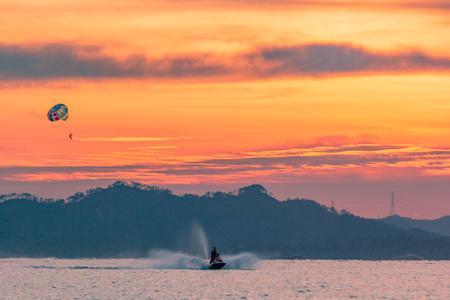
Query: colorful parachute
point(58, 112)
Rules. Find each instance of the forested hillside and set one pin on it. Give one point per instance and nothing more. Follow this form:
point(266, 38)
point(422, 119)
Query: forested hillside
point(129, 219)
point(440, 226)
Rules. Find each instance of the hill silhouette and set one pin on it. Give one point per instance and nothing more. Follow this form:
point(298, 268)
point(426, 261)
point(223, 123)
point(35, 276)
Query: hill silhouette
point(129, 219)
point(440, 226)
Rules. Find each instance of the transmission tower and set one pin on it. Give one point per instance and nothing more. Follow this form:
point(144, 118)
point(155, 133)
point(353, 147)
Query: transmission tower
point(392, 205)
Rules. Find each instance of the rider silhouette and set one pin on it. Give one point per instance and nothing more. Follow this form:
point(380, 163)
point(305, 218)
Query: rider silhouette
point(214, 255)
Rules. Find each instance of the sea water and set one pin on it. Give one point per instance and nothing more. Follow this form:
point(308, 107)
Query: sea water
point(168, 275)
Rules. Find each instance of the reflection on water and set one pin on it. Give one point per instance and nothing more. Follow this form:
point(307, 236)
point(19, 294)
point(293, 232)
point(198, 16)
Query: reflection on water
point(169, 275)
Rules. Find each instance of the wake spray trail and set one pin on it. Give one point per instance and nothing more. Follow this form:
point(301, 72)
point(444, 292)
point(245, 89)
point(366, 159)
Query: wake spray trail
point(195, 241)
point(240, 261)
point(165, 259)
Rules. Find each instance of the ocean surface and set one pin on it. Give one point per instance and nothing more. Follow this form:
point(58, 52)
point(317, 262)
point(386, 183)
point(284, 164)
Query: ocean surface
point(177, 276)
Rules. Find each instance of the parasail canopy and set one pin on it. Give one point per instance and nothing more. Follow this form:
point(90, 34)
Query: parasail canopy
point(58, 112)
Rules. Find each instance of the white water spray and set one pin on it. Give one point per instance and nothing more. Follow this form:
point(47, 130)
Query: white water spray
point(241, 261)
point(195, 254)
point(200, 236)
point(192, 241)
point(165, 259)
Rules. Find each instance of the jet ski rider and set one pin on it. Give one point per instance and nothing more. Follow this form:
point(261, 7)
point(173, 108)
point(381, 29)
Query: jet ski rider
point(214, 255)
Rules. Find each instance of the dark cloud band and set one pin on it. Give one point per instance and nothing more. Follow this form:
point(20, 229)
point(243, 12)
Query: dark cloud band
point(60, 61)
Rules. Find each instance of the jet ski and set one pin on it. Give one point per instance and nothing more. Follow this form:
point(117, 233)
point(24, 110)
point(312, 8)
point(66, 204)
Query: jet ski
point(216, 264)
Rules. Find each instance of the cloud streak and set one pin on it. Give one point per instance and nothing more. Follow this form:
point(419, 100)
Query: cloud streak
point(281, 4)
point(130, 139)
point(317, 59)
point(59, 61)
point(62, 61)
point(316, 163)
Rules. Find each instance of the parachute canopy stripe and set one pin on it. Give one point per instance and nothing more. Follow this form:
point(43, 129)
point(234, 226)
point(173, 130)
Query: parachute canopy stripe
point(58, 112)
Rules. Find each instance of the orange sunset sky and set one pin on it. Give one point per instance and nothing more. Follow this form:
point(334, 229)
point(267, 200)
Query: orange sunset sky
point(344, 101)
